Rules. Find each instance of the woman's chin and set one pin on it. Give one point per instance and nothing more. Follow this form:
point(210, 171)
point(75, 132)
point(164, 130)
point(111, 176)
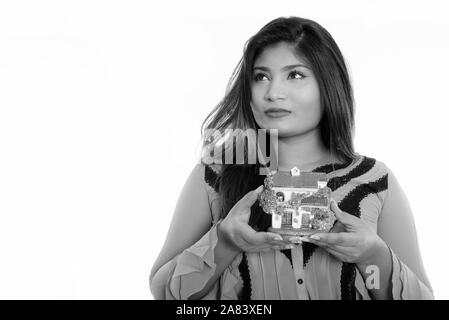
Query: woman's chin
point(285, 130)
point(290, 132)
point(285, 133)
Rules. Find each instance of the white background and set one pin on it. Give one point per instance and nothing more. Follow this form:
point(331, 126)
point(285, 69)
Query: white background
point(101, 104)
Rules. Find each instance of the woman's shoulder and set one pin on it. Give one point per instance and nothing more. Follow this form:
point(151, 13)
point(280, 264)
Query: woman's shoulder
point(383, 171)
point(364, 163)
point(369, 171)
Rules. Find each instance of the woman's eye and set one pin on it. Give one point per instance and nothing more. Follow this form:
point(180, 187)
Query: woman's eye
point(297, 75)
point(259, 76)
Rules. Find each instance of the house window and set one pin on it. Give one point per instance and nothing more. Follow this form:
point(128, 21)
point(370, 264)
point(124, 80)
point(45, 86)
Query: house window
point(305, 219)
point(280, 197)
point(287, 218)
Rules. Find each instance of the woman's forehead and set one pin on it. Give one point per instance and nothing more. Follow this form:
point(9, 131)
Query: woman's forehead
point(278, 55)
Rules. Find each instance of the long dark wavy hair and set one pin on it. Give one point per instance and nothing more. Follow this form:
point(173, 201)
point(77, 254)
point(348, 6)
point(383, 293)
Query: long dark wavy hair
point(311, 41)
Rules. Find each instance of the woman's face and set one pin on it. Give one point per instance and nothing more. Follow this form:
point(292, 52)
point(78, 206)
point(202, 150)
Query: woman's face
point(284, 92)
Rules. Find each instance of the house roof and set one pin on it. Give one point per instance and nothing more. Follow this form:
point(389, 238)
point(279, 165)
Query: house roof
point(315, 200)
point(304, 180)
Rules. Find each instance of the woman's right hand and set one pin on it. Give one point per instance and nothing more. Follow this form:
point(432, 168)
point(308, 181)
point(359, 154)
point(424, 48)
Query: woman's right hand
point(240, 235)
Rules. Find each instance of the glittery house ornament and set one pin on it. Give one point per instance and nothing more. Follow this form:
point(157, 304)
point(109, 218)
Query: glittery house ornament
point(299, 203)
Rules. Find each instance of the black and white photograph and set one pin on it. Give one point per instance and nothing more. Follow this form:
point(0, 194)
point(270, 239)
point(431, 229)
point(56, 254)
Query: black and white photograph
point(138, 141)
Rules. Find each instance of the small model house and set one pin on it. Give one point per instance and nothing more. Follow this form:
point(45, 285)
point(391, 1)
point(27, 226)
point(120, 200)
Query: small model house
point(297, 201)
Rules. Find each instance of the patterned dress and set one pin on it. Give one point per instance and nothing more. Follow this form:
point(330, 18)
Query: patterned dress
point(363, 187)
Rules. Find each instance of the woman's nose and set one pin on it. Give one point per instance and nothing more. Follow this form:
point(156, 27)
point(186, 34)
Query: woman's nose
point(275, 91)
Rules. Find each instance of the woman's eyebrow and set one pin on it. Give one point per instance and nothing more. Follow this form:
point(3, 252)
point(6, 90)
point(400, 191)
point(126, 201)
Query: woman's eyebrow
point(288, 67)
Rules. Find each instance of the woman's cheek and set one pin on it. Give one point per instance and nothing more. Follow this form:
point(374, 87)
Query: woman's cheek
point(309, 107)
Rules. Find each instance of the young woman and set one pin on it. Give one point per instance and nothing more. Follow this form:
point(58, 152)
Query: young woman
point(293, 78)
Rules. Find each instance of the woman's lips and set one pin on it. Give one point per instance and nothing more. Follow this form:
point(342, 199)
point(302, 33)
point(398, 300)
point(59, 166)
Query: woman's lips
point(277, 113)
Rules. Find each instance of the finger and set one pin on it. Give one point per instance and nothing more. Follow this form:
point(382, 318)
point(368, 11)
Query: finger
point(315, 242)
point(249, 233)
point(344, 217)
point(251, 247)
point(283, 247)
point(264, 238)
point(334, 250)
point(345, 251)
point(281, 243)
point(344, 239)
point(274, 237)
point(248, 199)
point(258, 238)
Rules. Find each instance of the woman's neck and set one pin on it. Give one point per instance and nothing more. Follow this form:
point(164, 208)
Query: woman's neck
point(305, 151)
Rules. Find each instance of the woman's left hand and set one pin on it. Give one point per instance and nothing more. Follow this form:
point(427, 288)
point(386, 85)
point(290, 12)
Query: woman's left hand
point(350, 239)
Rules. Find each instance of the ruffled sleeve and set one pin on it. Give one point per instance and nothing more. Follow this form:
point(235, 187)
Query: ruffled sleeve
point(193, 268)
point(231, 282)
point(397, 228)
point(405, 284)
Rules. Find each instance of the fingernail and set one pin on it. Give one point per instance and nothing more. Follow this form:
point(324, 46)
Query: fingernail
point(259, 189)
point(278, 238)
point(289, 246)
point(314, 237)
